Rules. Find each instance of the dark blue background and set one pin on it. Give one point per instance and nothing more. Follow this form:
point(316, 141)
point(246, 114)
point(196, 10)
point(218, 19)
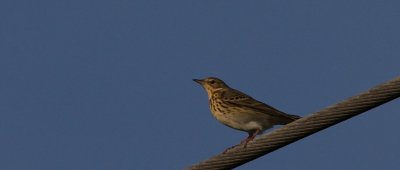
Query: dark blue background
point(107, 84)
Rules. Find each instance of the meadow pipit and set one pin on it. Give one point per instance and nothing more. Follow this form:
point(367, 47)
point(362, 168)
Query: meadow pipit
point(240, 111)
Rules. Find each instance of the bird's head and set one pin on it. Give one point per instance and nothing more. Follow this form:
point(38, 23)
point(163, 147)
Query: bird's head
point(211, 84)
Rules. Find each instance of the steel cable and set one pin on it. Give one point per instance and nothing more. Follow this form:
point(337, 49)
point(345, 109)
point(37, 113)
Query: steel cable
point(304, 127)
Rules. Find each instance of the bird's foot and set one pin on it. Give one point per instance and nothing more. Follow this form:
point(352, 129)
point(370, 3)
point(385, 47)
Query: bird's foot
point(251, 136)
point(244, 143)
point(227, 149)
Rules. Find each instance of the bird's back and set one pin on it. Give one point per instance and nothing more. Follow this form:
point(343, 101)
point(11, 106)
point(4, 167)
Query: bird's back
point(239, 99)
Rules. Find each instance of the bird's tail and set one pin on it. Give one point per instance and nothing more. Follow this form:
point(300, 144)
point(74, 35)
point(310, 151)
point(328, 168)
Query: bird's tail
point(294, 117)
point(289, 118)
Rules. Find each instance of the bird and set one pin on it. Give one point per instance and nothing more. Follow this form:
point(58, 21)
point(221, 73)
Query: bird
point(239, 111)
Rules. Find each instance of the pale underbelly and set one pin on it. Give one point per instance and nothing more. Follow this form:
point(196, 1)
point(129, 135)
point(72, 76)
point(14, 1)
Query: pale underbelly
point(245, 121)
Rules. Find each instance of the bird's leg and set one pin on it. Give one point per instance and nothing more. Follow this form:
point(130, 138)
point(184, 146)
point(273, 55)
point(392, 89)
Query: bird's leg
point(242, 142)
point(251, 136)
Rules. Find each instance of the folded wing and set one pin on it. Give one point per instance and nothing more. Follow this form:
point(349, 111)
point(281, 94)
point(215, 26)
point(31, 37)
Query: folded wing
point(240, 99)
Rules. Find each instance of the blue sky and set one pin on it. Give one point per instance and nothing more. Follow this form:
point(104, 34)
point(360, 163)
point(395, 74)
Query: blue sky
point(108, 84)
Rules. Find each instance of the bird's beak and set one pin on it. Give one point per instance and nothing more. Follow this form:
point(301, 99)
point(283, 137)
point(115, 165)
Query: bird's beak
point(201, 82)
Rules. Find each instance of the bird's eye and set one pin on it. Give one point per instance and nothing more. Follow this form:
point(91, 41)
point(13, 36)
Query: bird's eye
point(212, 81)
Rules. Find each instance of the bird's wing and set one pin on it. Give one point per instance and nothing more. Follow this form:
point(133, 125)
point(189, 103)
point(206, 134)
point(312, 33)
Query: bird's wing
point(240, 99)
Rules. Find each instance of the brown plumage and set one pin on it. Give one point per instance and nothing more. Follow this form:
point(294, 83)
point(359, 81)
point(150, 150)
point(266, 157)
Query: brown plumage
point(240, 111)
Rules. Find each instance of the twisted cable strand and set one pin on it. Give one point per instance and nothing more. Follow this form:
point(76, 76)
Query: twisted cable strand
point(304, 127)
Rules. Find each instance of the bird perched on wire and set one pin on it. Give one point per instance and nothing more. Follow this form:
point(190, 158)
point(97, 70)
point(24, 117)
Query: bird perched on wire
point(240, 111)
